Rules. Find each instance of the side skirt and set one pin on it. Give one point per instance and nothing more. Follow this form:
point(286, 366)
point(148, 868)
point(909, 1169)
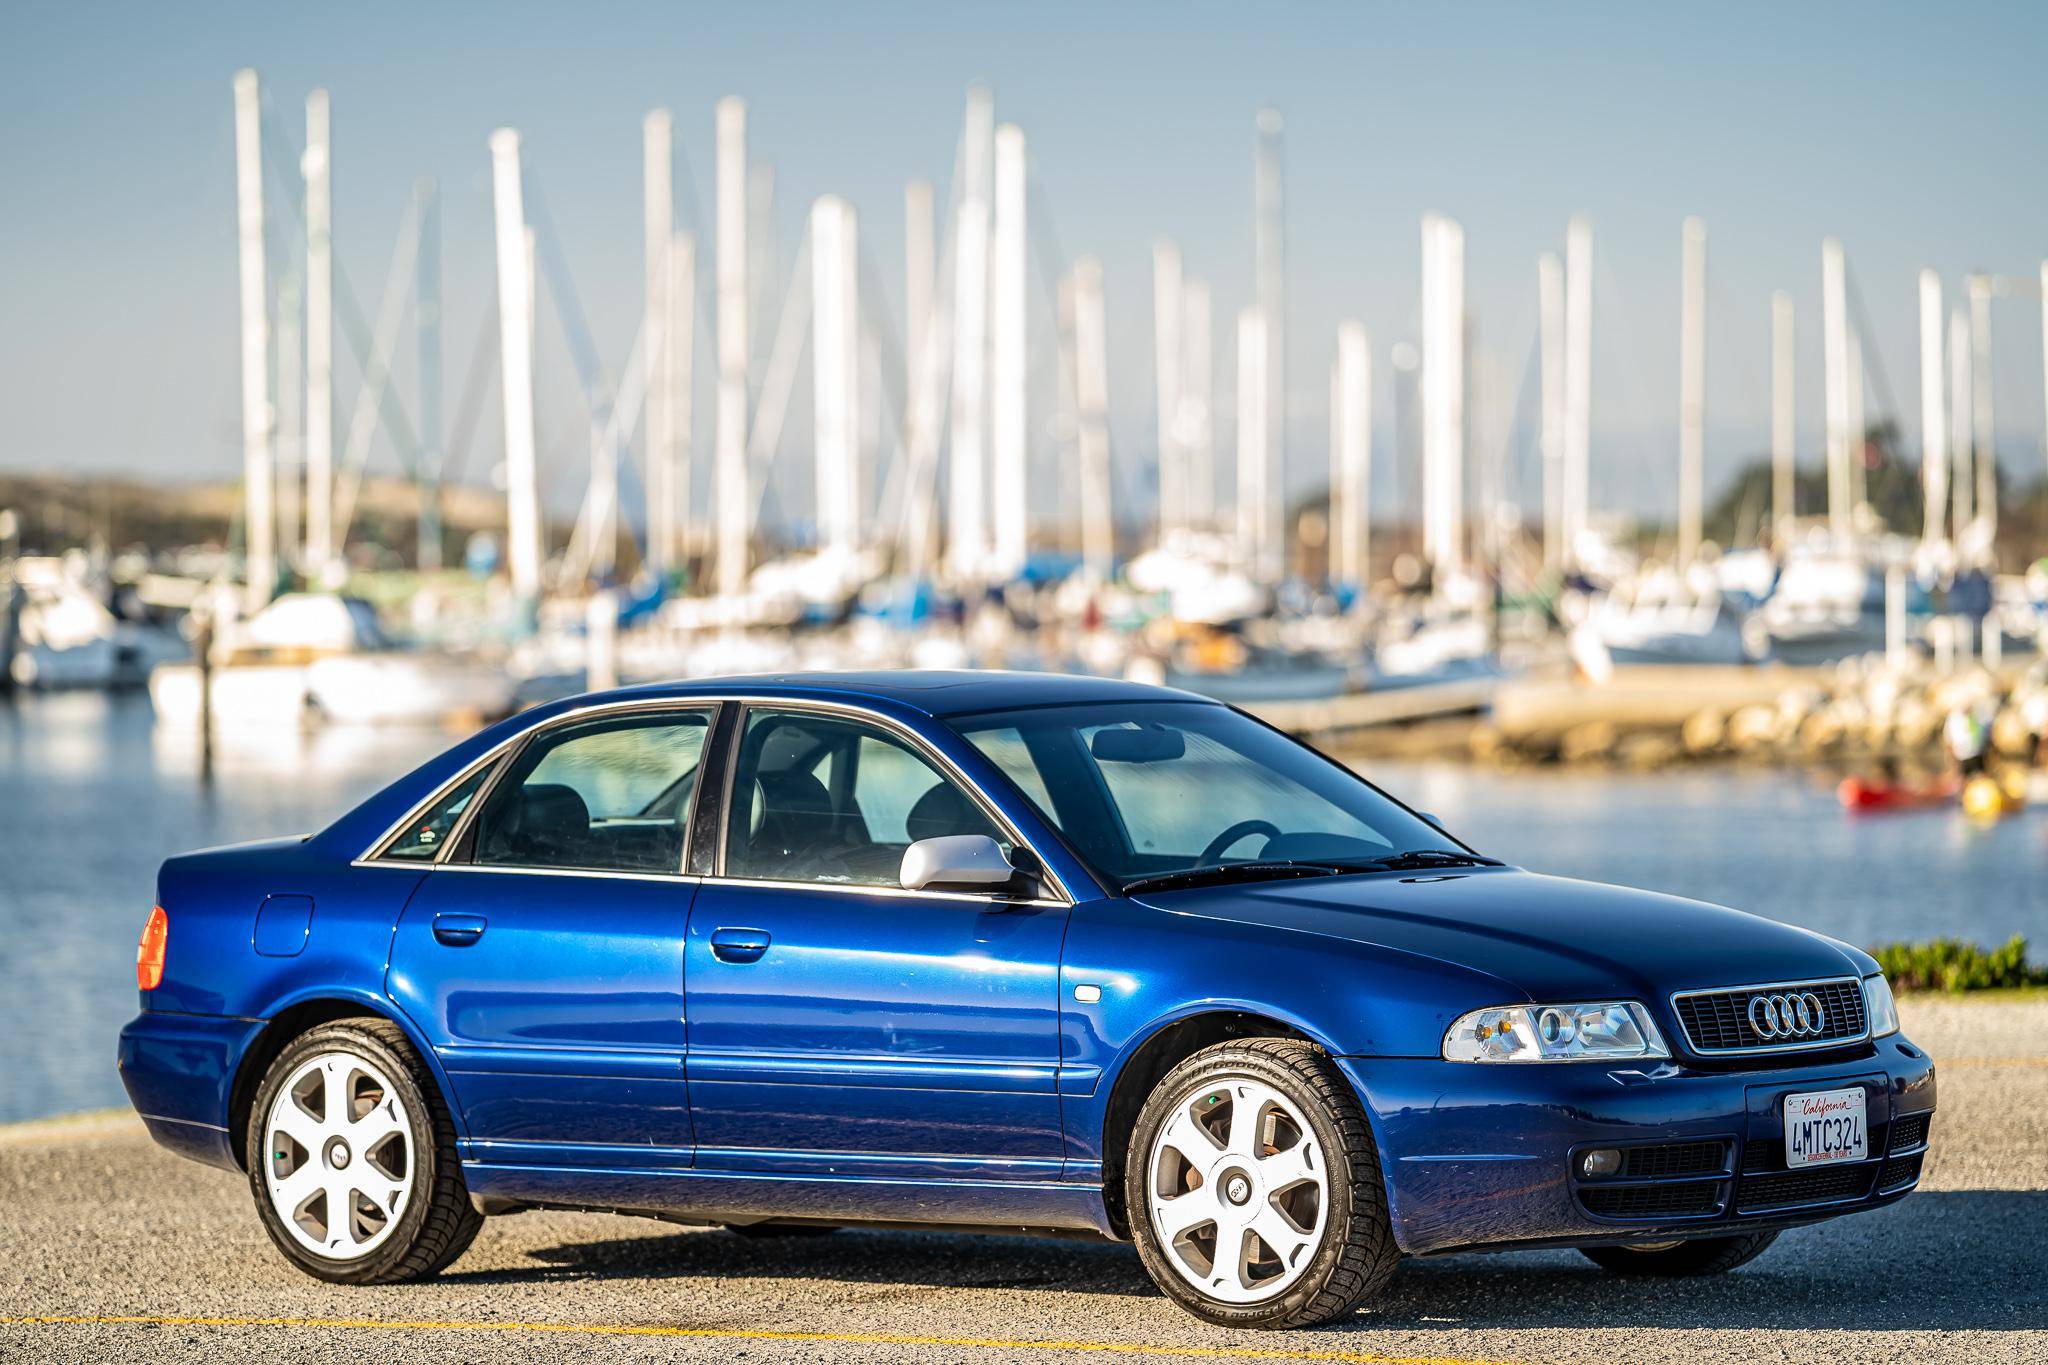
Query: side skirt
point(724, 1197)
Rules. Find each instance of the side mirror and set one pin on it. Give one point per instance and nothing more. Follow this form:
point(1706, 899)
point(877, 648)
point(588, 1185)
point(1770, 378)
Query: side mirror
point(1433, 818)
point(956, 862)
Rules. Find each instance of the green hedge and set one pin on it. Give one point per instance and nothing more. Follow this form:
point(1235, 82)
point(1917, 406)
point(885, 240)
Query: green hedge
point(1950, 964)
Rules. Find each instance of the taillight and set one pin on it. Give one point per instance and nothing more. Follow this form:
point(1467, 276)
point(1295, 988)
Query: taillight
point(149, 954)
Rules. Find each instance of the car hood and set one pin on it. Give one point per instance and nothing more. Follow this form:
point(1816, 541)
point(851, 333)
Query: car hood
point(1555, 938)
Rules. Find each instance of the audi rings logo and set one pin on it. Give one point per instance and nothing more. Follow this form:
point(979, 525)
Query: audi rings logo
point(1786, 1015)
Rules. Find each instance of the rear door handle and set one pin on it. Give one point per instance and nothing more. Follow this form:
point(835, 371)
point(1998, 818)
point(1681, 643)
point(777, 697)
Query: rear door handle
point(459, 931)
point(739, 945)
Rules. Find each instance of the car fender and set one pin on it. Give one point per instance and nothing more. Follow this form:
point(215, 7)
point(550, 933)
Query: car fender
point(370, 1002)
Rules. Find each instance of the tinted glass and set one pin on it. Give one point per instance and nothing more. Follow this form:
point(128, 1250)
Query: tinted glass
point(824, 799)
point(1153, 787)
point(423, 838)
point(609, 795)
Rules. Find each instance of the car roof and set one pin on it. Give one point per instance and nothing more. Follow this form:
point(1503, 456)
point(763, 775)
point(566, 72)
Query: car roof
point(935, 692)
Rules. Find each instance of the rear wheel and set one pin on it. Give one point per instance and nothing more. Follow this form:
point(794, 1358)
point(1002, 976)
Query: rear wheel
point(1698, 1256)
point(1254, 1189)
point(352, 1158)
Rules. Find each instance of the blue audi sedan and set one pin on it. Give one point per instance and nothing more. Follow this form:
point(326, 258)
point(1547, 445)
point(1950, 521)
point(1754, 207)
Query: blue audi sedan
point(1002, 952)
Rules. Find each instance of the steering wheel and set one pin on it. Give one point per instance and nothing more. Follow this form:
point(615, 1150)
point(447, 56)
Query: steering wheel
point(1213, 854)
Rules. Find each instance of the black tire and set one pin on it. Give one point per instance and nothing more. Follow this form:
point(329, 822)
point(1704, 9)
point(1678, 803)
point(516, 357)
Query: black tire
point(1700, 1256)
point(1357, 1254)
point(438, 1221)
point(764, 1232)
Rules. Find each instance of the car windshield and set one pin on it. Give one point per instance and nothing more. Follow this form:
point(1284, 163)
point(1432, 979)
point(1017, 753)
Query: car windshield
point(1161, 793)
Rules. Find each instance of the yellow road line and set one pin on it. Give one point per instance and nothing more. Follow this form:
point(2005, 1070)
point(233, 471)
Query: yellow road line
point(599, 1329)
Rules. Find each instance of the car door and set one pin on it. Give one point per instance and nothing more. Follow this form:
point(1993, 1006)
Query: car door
point(839, 1024)
point(543, 956)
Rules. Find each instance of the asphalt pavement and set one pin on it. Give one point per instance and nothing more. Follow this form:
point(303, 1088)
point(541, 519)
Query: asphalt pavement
point(113, 1250)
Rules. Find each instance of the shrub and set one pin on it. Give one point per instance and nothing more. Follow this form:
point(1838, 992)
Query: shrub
point(1950, 964)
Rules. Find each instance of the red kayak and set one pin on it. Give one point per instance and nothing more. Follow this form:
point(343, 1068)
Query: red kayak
point(1857, 794)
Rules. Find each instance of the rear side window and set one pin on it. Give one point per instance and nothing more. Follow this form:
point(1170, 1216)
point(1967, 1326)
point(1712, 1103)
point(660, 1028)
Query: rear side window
point(425, 836)
point(607, 795)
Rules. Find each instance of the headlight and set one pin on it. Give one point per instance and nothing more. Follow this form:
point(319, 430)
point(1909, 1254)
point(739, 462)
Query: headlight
point(1606, 1031)
point(1879, 1007)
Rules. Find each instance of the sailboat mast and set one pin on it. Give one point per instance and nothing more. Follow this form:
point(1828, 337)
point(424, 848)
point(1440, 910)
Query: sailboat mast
point(734, 516)
point(1198, 443)
point(258, 524)
point(427, 323)
point(1933, 414)
point(1981, 422)
point(1692, 393)
point(1252, 430)
point(1351, 481)
point(657, 188)
point(1271, 249)
point(1960, 444)
point(1443, 394)
point(1784, 474)
point(1168, 291)
point(967, 537)
point(1091, 403)
point(1550, 327)
point(835, 368)
point(1578, 384)
point(317, 169)
point(1835, 351)
point(515, 346)
point(1009, 449)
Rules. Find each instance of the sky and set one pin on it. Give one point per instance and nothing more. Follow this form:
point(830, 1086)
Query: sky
point(1915, 133)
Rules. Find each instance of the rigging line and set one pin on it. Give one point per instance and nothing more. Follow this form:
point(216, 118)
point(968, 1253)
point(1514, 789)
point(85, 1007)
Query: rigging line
point(1873, 362)
point(348, 311)
point(568, 310)
point(469, 409)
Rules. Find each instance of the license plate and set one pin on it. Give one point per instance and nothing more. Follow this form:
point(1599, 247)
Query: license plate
point(1825, 1126)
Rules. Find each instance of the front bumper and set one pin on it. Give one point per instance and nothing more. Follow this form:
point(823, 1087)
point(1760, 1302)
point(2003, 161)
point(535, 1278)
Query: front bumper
point(180, 1074)
point(1481, 1156)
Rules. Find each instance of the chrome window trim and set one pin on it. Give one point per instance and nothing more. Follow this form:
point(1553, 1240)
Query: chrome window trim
point(499, 751)
point(893, 892)
point(555, 872)
point(1854, 982)
point(945, 767)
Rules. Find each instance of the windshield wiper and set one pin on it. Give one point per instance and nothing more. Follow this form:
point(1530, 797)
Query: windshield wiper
point(1420, 858)
point(1231, 872)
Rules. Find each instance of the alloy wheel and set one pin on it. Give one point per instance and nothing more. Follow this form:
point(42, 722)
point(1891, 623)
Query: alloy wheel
point(1238, 1190)
point(338, 1157)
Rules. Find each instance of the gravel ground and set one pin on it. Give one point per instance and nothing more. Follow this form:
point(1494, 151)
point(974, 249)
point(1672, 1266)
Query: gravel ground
point(99, 1224)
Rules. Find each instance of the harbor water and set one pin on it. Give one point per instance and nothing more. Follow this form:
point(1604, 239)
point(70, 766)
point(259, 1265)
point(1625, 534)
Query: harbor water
point(93, 796)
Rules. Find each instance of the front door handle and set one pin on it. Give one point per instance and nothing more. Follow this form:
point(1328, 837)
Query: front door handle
point(739, 945)
point(459, 931)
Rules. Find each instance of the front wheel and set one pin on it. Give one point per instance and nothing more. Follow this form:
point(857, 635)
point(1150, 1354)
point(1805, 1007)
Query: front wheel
point(352, 1158)
point(1254, 1189)
point(1699, 1256)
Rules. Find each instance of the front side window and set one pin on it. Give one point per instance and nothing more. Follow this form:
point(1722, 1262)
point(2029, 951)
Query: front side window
point(605, 795)
point(825, 799)
point(1151, 788)
point(424, 837)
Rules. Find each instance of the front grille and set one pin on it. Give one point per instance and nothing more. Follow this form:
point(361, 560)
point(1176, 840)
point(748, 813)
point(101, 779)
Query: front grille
point(1718, 1021)
point(1910, 1131)
point(1672, 1158)
point(1900, 1172)
point(1687, 1199)
point(1796, 1188)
